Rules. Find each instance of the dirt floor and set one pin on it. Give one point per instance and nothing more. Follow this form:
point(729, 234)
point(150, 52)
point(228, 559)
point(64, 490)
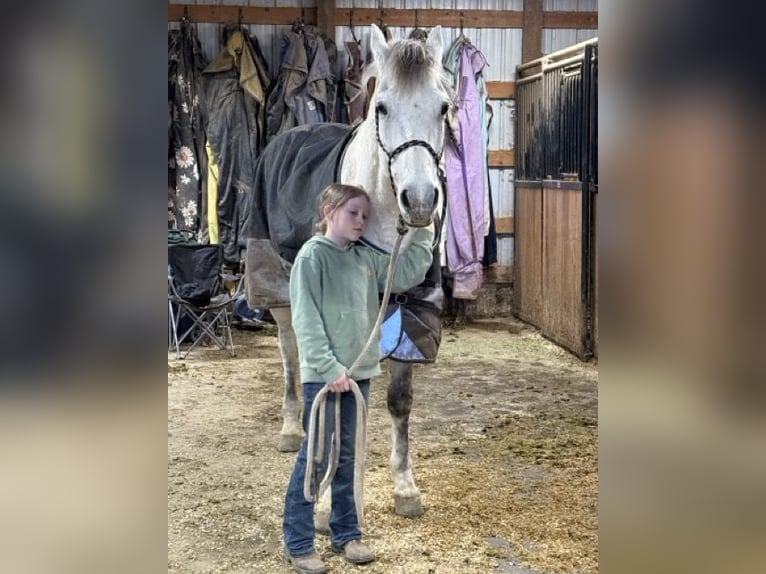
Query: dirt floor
point(504, 441)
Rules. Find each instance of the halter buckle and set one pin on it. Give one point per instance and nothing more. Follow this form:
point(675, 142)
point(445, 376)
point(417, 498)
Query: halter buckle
point(401, 298)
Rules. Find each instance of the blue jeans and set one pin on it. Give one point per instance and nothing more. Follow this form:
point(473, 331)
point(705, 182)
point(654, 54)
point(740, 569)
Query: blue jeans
point(298, 520)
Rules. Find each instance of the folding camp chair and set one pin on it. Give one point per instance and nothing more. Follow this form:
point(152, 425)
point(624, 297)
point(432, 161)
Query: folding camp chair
point(199, 302)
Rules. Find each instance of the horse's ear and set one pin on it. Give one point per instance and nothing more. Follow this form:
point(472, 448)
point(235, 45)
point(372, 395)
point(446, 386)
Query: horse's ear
point(378, 45)
point(434, 42)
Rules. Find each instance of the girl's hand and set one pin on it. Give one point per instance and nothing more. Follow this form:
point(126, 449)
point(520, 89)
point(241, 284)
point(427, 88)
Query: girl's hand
point(341, 384)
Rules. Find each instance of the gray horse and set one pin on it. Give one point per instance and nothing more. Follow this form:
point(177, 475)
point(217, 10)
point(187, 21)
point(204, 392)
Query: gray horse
point(396, 155)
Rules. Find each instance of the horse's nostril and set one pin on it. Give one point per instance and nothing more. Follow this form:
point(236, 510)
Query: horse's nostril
point(436, 197)
point(405, 200)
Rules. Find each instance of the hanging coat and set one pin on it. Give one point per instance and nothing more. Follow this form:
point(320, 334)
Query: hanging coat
point(235, 95)
point(323, 71)
point(305, 88)
point(466, 179)
point(490, 239)
point(186, 131)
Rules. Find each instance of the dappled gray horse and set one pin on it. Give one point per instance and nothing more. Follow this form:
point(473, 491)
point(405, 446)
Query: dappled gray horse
point(395, 154)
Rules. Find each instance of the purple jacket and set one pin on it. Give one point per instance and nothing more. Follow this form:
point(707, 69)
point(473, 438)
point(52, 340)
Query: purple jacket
point(466, 180)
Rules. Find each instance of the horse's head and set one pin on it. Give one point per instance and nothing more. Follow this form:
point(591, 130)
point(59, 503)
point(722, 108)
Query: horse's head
point(412, 100)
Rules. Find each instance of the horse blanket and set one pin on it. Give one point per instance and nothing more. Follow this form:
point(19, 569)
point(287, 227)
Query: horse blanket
point(290, 175)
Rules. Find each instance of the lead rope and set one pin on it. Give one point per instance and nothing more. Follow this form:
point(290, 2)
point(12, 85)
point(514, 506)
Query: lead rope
point(360, 432)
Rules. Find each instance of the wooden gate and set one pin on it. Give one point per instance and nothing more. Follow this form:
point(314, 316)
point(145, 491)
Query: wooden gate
point(556, 186)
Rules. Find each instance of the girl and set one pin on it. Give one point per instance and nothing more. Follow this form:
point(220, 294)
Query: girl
point(334, 287)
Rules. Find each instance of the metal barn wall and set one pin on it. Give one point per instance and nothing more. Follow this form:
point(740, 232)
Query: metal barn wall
point(502, 47)
point(555, 286)
point(558, 39)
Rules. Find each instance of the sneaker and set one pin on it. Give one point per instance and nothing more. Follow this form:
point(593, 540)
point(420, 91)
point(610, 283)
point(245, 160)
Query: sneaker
point(308, 564)
point(355, 552)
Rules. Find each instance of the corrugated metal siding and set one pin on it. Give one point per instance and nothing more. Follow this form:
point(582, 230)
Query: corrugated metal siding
point(435, 4)
point(501, 48)
point(570, 5)
point(558, 39)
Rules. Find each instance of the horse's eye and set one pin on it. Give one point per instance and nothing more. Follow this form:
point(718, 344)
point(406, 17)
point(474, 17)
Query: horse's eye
point(381, 109)
point(445, 108)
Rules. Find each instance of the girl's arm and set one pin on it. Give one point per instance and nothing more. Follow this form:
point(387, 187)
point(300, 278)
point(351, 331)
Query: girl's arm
point(308, 323)
point(412, 264)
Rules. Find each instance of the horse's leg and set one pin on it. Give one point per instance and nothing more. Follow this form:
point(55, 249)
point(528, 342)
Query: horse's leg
point(406, 493)
point(291, 435)
point(322, 513)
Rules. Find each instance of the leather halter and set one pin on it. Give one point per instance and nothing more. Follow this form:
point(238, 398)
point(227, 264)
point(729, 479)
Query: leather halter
point(406, 145)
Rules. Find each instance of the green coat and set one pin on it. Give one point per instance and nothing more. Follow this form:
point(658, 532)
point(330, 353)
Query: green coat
point(334, 295)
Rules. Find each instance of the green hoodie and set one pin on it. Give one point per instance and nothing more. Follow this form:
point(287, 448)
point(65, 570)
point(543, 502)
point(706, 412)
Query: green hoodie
point(334, 300)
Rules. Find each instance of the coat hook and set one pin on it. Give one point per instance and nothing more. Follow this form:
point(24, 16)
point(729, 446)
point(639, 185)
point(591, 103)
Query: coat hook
point(185, 17)
point(239, 21)
point(351, 24)
point(299, 22)
point(462, 17)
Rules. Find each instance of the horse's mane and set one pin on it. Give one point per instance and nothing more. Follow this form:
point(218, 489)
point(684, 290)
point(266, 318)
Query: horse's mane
point(407, 64)
point(405, 67)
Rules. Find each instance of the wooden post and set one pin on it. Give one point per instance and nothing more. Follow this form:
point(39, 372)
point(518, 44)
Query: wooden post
point(532, 31)
point(326, 17)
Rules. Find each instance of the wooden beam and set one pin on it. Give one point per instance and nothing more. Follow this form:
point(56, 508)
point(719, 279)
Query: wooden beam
point(501, 158)
point(326, 17)
point(571, 20)
point(345, 16)
point(532, 32)
point(250, 14)
point(321, 16)
point(501, 90)
point(504, 225)
point(429, 17)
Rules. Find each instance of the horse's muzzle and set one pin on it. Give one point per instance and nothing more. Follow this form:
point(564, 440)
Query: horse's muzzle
point(418, 209)
point(419, 222)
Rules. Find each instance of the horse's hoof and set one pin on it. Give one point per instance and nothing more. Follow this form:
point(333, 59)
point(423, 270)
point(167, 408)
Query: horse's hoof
point(409, 506)
point(289, 443)
point(322, 522)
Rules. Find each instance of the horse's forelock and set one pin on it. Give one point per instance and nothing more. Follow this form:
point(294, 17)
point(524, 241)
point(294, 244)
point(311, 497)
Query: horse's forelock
point(409, 62)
